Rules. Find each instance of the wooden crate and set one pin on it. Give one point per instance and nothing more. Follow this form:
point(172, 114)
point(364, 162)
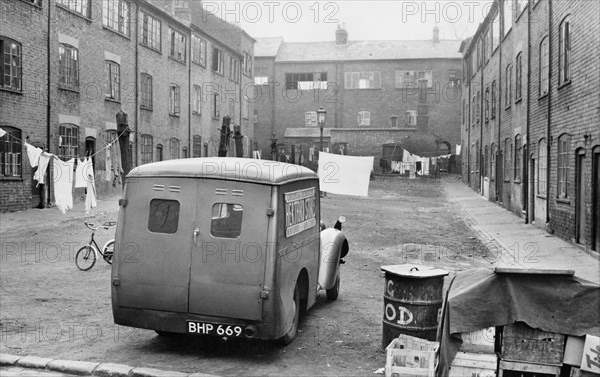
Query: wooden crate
point(524, 344)
point(405, 362)
point(529, 369)
point(474, 364)
point(479, 341)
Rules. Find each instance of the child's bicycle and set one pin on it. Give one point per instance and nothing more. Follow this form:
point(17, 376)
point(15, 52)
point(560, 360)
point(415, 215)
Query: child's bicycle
point(87, 255)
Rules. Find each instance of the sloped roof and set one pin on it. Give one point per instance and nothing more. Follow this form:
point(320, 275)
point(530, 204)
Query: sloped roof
point(267, 47)
point(368, 50)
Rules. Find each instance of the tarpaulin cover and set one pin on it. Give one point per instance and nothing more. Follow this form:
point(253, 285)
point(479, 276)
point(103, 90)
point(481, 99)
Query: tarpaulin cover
point(479, 298)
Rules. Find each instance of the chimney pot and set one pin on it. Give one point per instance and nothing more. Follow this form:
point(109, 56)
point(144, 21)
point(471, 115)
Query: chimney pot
point(341, 35)
point(436, 34)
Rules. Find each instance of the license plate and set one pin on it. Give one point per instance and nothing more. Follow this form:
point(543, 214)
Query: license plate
point(205, 328)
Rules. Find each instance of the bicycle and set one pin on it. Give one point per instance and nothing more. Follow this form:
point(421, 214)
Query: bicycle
point(86, 256)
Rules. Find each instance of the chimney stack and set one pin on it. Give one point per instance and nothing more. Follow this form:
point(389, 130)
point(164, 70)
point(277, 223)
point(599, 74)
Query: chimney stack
point(341, 35)
point(436, 34)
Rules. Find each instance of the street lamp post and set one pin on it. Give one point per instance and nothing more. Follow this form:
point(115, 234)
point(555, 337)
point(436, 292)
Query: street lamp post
point(321, 120)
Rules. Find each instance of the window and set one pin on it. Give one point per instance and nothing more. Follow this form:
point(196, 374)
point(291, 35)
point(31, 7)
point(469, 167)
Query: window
point(11, 66)
point(496, 32)
point(197, 146)
point(507, 159)
point(494, 153)
point(115, 15)
point(113, 77)
point(474, 109)
point(159, 152)
point(174, 97)
point(10, 152)
point(226, 220)
point(411, 118)
point(217, 61)
point(413, 79)
point(184, 151)
point(173, 148)
point(150, 33)
point(216, 112)
point(306, 81)
point(163, 216)
point(146, 149)
point(564, 142)
point(310, 119)
point(564, 52)
point(234, 69)
point(454, 78)
point(197, 100)
point(261, 80)
point(247, 64)
point(489, 43)
point(518, 77)
point(68, 141)
point(68, 66)
point(508, 86)
point(542, 162)
point(362, 80)
point(485, 161)
point(484, 42)
point(507, 15)
point(77, 6)
point(478, 106)
point(494, 96)
point(518, 158)
point(364, 118)
point(487, 104)
point(520, 6)
point(544, 67)
point(178, 46)
point(146, 102)
point(198, 50)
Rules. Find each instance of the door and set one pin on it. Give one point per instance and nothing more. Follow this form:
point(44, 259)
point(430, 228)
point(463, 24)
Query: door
point(230, 249)
point(580, 201)
point(596, 200)
point(499, 177)
point(153, 263)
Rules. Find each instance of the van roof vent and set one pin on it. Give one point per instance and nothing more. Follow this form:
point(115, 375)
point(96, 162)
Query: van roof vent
point(175, 188)
point(237, 192)
point(221, 191)
point(158, 187)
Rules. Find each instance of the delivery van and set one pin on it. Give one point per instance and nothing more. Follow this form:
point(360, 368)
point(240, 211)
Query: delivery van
point(219, 246)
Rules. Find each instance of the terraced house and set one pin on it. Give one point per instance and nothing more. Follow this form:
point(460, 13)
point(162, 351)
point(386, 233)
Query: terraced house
point(531, 114)
point(71, 65)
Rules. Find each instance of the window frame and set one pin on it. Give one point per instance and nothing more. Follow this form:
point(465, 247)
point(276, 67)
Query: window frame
point(218, 65)
point(562, 166)
point(196, 146)
point(174, 150)
point(518, 77)
point(198, 50)
point(487, 104)
point(159, 152)
point(306, 81)
point(507, 14)
point(564, 51)
point(150, 31)
point(403, 79)
point(72, 6)
point(364, 118)
point(15, 71)
point(121, 19)
point(174, 100)
point(234, 69)
point(11, 153)
point(178, 45)
point(248, 64)
point(544, 55)
point(146, 100)
point(68, 67)
point(411, 118)
point(146, 149)
point(507, 159)
point(112, 93)
point(542, 166)
point(68, 141)
point(508, 86)
point(518, 160)
point(494, 98)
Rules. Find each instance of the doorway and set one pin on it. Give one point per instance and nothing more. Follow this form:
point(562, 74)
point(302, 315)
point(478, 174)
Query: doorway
point(580, 223)
point(499, 177)
point(532, 188)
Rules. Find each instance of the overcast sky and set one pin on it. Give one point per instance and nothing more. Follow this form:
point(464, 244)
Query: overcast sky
point(310, 20)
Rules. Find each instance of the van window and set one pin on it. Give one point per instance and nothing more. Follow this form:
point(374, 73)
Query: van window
point(226, 220)
point(164, 216)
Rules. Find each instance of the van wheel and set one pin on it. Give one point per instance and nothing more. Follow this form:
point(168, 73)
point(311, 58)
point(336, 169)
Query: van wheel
point(332, 294)
point(293, 329)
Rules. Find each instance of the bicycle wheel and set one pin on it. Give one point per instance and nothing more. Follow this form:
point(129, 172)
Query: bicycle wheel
point(85, 258)
point(108, 251)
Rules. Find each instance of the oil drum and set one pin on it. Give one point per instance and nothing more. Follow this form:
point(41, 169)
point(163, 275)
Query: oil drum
point(412, 301)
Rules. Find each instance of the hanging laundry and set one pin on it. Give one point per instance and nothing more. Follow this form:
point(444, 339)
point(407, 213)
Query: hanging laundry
point(345, 175)
point(2, 132)
point(90, 195)
point(40, 173)
point(108, 163)
point(246, 146)
point(117, 170)
point(80, 177)
point(33, 153)
point(426, 166)
point(63, 184)
point(458, 148)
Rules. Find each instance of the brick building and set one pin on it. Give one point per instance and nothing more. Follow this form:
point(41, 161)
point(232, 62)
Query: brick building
point(531, 116)
point(379, 96)
point(175, 69)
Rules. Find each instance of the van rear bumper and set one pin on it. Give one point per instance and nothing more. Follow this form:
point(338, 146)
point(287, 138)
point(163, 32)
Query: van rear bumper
point(177, 322)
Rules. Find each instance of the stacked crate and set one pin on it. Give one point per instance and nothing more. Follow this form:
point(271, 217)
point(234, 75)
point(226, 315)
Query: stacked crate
point(476, 355)
point(409, 356)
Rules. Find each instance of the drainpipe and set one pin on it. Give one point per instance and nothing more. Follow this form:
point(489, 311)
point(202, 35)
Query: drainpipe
point(189, 62)
point(469, 121)
point(137, 79)
point(499, 182)
point(528, 116)
point(48, 105)
point(481, 123)
point(549, 113)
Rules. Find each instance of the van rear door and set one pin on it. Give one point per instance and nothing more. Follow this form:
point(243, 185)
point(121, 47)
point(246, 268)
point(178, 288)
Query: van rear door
point(229, 251)
point(154, 254)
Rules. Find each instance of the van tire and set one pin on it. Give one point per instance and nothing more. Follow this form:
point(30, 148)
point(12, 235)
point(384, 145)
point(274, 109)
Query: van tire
point(291, 334)
point(332, 294)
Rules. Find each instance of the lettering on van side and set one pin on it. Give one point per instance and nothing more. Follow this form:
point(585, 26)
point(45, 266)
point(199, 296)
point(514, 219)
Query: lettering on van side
point(300, 209)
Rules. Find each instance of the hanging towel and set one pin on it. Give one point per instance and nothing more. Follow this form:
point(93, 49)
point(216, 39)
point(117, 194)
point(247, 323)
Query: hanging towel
point(40, 173)
point(63, 184)
point(33, 153)
point(117, 170)
point(80, 177)
point(108, 164)
point(90, 195)
point(345, 175)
